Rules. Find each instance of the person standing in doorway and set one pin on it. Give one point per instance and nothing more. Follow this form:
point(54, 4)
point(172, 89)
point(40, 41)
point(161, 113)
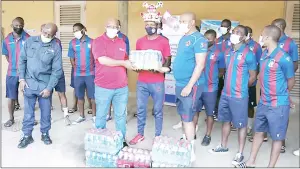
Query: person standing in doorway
point(11, 49)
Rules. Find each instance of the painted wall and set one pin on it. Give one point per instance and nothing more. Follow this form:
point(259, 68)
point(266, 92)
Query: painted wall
point(255, 14)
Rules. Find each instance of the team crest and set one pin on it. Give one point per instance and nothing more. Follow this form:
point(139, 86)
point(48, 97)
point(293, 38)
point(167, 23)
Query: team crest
point(202, 45)
point(212, 56)
point(251, 48)
point(240, 56)
point(23, 42)
point(271, 63)
point(229, 43)
point(281, 45)
point(288, 58)
point(188, 43)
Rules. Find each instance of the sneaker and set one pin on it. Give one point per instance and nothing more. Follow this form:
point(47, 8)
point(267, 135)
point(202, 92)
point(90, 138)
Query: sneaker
point(296, 153)
point(250, 133)
point(219, 150)
point(282, 149)
point(206, 140)
point(17, 107)
point(138, 138)
point(215, 116)
point(9, 123)
point(108, 118)
point(243, 165)
point(79, 120)
point(25, 141)
point(94, 119)
point(177, 126)
point(237, 159)
point(125, 144)
point(46, 139)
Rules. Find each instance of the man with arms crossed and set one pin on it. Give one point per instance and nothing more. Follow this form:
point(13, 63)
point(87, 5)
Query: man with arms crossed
point(111, 79)
point(233, 106)
point(40, 67)
point(188, 66)
point(277, 79)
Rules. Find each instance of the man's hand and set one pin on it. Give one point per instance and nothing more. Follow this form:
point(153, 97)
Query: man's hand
point(186, 91)
point(23, 84)
point(45, 93)
point(128, 65)
point(164, 70)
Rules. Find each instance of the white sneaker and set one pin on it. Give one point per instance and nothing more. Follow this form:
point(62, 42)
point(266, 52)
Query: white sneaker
point(177, 126)
point(79, 120)
point(296, 153)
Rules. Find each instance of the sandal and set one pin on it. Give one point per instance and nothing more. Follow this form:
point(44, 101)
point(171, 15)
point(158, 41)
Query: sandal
point(9, 123)
point(243, 165)
point(17, 107)
point(72, 110)
point(282, 149)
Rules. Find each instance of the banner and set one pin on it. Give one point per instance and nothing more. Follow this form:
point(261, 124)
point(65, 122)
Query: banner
point(207, 24)
point(170, 30)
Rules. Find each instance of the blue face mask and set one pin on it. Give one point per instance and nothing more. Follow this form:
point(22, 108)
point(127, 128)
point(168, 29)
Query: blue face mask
point(150, 30)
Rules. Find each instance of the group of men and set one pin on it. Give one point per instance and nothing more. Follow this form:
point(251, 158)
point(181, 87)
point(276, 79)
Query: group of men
point(202, 62)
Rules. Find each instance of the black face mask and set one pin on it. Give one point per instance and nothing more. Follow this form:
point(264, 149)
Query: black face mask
point(18, 30)
point(210, 43)
point(150, 30)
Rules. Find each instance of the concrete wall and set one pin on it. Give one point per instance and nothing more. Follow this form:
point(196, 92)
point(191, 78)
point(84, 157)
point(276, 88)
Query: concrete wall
point(255, 14)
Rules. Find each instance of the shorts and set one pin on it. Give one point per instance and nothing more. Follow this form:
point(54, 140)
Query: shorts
point(187, 106)
point(209, 100)
point(61, 85)
point(252, 97)
point(233, 110)
point(273, 120)
point(72, 78)
point(12, 87)
point(82, 83)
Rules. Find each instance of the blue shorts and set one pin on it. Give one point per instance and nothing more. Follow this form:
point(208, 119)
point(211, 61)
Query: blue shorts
point(82, 83)
point(72, 78)
point(187, 106)
point(273, 120)
point(209, 100)
point(61, 85)
point(233, 110)
point(12, 87)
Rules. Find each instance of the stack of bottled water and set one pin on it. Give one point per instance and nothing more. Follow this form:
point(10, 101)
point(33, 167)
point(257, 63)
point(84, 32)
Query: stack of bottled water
point(146, 59)
point(102, 146)
point(167, 151)
point(134, 158)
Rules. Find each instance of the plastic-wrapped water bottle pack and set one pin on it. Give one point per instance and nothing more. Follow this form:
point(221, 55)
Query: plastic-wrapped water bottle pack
point(146, 59)
point(134, 158)
point(104, 141)
point(96, 159)
point(167, 150)
point(162, 165)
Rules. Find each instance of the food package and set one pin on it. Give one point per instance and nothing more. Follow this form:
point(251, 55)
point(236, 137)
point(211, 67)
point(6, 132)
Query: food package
point(96, 159)
point(146, 59)
point(104, 141)
point(167, 150)
point(134, 158)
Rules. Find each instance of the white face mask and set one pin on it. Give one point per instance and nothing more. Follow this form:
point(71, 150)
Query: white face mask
point(223, 30)
point(111, 33)
point(45, 40)
point(261, 41)
point(248, 37)
point(235, 39)
point(78, 35)
point(159, 31)
point(183, 27)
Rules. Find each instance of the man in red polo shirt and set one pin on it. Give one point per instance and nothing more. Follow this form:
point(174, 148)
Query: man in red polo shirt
point(110, 77)
point(151, 83)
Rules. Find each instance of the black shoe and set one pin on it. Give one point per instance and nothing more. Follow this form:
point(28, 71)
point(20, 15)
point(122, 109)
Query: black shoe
point(135, 115)
point(17, 107)
point(282, 149)
point(206, 140)
point(125, 144)
point(46, 139)
point(25, 141)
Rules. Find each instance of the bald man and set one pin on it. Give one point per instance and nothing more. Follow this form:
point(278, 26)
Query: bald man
point(11, 49)
point(111, 85)
point(276, 79)
point(290, 47)
point(40, 67)
point(187, 67)
point(233, 106)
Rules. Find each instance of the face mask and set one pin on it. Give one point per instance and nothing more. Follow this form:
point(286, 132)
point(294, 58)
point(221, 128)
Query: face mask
point(223, 30)
point(261, 42)
point(235, 39)
point(248, 37)
point(45, 40)
point(78, 35)
point(150, 30)
point(183, 27)
point(210, 44)
point(18, 30)
point(111, 33)
point(159, 31)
